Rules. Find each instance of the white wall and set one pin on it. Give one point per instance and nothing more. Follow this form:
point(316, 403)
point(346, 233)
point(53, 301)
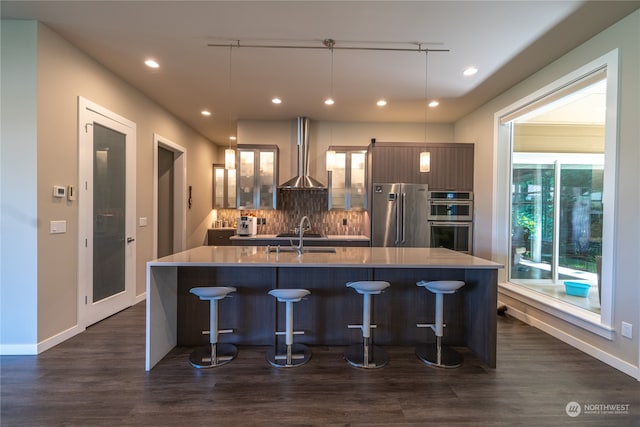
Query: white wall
point(44, 75)
point(18, 188)
point(478, 126)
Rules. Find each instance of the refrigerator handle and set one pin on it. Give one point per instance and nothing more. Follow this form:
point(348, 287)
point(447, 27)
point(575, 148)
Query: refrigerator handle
point(403, 217)
point(398, 218)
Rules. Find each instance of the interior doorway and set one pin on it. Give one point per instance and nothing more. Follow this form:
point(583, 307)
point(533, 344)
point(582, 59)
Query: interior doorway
point(107, 206)
point(165, 202)
point(170, 177)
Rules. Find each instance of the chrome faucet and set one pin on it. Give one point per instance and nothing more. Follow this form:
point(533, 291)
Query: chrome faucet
point(301, 230)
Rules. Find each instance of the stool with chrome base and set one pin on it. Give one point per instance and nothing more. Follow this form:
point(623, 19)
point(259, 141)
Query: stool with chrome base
point(215, 354)
point(366, 355)
point(295, 354)
point(436, 354)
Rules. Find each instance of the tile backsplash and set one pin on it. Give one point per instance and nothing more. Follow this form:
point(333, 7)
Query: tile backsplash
point(294, 204)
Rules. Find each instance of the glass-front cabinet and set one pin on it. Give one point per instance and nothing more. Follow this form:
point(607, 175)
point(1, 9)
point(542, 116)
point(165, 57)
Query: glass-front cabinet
point(347, 178)
point(258, 176)
point(224, 187)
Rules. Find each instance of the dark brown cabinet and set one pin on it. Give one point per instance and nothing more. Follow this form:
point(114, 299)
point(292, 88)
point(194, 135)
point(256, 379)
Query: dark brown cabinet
point(220, 236)
point(451, 164)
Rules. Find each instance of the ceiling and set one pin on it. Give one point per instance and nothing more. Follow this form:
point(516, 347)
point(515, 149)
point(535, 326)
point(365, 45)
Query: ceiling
point(506, 40)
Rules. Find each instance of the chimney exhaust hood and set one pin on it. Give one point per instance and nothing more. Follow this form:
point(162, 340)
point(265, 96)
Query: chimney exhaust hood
point(303, 181)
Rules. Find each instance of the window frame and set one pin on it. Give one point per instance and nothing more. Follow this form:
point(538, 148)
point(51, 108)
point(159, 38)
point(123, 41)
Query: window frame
point(601, 324)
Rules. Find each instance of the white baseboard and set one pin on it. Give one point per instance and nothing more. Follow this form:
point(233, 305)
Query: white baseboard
point(18, 349)
point(58, 338)
point(34, 349)
point(140, 298)
point(614, 362)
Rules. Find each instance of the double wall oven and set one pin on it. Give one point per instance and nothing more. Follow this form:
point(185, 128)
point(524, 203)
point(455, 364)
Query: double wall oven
point(450, 220)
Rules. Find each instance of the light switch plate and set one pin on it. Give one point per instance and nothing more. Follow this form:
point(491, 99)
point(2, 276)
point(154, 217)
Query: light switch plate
point(627, 330)
point(142, 221)
point(57, 227)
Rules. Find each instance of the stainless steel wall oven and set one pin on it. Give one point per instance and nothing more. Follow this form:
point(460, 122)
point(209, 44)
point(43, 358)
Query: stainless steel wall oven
point(450, 219)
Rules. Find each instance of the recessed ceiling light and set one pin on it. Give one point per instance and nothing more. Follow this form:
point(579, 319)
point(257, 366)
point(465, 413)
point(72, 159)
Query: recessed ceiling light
point(329, 101)
point(233, 138)
point(276, 100)
point(381, 103)
point(205, 113)
point(151, 63)
point(470, 71)
point(434, 104)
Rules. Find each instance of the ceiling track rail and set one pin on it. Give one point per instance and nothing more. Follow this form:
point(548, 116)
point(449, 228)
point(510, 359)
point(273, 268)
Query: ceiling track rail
point(329, 44)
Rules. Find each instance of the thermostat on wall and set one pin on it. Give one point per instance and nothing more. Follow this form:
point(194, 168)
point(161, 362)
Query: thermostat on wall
point(59, 191)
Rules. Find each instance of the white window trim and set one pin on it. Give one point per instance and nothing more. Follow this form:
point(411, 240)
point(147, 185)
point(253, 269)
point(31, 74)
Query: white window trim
point(502, 202)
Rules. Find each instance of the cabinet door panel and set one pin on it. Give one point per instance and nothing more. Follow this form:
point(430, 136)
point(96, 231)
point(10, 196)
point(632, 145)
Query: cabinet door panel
point(258, 178)
point(451, 165)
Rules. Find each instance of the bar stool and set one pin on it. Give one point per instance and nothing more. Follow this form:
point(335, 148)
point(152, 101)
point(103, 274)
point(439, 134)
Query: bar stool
point(215, 354)
point(295, 354)
point(366, 355)
point(437, 354)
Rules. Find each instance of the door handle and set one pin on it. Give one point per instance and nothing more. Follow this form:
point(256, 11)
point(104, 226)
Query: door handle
point(403, 218)
point(130, 239)
point(398, 218)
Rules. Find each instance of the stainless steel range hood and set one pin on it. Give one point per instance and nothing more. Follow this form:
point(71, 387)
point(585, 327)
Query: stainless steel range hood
point(303, 181)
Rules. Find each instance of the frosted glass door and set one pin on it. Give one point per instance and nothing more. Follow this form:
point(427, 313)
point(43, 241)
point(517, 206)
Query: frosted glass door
point(109, 239)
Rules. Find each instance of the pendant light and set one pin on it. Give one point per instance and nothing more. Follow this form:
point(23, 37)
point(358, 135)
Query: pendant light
point(330, 43)
point(425, 156)
point(331, 154)
point(229, 153)
point(331, 160)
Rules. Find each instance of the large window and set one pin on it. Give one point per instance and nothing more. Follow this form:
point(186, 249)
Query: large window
point(560, 181)
point(556, 223)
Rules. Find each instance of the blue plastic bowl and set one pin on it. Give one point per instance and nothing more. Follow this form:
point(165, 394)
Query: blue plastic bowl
point(577, 289)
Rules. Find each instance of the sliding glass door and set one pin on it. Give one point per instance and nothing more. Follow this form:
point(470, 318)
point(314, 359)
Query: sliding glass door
point(556, 218)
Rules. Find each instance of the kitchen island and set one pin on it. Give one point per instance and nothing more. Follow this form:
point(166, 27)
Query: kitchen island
point(174, 317)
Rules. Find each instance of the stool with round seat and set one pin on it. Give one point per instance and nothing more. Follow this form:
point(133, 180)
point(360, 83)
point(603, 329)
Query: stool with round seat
point(215, 354)
point(294, 354)
point(435, 354)
point(366, 355)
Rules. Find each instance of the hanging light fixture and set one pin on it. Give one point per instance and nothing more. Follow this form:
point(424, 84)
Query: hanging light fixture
point(330, 43)
point(229, 153)
point(425, 156)
point(331, 160)
point(331, 154)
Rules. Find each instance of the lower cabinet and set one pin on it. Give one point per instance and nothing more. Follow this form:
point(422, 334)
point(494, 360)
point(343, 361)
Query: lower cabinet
point(220, 237)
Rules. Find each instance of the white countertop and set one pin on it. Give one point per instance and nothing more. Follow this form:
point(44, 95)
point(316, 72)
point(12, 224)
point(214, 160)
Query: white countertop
point(368, 257)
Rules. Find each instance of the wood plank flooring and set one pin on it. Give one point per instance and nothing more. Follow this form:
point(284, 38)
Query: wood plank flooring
point(98, 378)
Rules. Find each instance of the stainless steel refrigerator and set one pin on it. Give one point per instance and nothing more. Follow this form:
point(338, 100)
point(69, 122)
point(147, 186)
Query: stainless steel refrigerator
point(399, 215)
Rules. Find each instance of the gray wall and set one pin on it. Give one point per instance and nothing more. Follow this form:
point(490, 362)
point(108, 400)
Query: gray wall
point(479, 126)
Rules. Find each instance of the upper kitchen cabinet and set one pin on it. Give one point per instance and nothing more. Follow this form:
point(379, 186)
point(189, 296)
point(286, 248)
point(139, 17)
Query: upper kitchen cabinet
point(258, 176)
point(224, 187)
point(451, 164)
point(348, 178)
point(451, 167)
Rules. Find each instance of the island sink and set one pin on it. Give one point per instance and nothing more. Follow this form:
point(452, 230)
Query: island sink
point(296, 235)
point(317, 249)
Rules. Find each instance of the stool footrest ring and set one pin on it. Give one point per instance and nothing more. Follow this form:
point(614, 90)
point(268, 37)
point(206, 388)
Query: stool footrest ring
point(294, 355)
point(211, 356)
point(220, 331)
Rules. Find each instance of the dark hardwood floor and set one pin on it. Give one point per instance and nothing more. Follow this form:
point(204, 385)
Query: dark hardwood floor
point(98, 378)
